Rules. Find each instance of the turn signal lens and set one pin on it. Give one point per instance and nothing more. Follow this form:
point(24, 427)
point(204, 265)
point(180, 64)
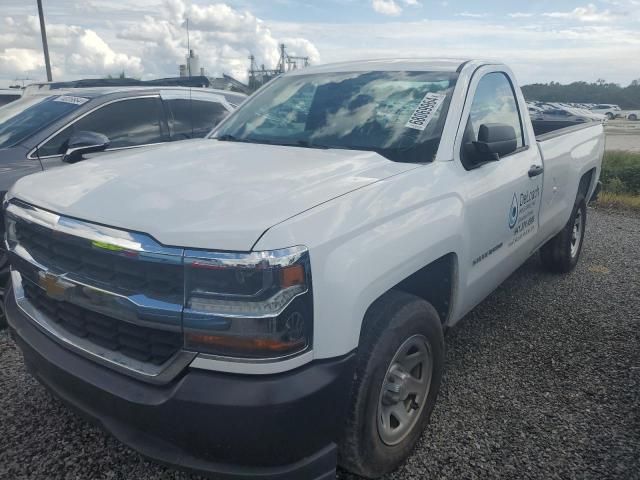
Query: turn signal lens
point(291, 276)
point(241, 344)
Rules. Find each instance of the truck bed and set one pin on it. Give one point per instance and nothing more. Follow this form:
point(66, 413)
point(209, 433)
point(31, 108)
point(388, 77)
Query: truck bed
point(545, 127)
point(567, 154)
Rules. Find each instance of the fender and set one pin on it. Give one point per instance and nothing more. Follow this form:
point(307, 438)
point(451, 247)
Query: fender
point(366, 242)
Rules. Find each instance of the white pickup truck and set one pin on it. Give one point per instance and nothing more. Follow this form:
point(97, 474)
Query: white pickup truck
point(270, 302)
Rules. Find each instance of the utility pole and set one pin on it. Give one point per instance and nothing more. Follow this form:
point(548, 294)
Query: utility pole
point(45, 46)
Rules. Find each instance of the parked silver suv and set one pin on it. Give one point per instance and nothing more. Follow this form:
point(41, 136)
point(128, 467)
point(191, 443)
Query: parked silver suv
point(48, 129)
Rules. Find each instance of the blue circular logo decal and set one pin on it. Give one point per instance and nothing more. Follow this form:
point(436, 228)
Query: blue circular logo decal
point(513, 212)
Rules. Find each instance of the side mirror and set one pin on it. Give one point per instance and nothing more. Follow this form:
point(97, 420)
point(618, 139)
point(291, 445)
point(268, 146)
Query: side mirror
point(81, 143)
point(495, 140)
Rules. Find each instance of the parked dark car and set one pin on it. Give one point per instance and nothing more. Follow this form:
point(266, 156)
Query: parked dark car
point(36, 130)
point(8, 95)
point(39, 130)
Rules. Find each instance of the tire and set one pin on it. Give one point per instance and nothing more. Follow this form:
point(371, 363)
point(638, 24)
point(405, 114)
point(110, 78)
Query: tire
point(4, 284)
point(398, 329)
point(3, 317)
point(562, 252)
point(610, 115)
point(633, 117)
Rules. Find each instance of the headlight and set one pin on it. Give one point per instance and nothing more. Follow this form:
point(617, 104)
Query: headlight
point(4, 203)
point(255, 305)
point(9, 237)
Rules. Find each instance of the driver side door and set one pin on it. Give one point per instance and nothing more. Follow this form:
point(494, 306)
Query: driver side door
point(502, 196)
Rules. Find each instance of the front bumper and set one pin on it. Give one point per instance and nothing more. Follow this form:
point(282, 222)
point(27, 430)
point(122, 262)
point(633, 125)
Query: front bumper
point(282, 426)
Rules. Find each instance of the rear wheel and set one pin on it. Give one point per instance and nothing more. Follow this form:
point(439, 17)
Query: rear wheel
point(562, 252)
point(398, 373)
point(633, 117)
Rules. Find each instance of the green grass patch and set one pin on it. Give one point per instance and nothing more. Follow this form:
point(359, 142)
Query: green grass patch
point(621, 173)
point(619, 201)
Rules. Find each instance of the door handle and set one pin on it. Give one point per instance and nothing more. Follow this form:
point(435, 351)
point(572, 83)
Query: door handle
point(535, 170)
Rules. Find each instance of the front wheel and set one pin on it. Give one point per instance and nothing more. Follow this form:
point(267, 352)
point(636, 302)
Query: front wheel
point(562, 252)
point(633, 117)
point(398, 373)
point(4, 283)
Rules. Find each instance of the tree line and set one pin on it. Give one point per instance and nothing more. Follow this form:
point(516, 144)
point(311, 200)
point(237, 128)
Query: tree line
point(582, 92)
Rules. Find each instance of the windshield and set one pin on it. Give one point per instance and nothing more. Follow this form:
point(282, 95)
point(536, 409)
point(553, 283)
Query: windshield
point(397, 114)
point(24, 117)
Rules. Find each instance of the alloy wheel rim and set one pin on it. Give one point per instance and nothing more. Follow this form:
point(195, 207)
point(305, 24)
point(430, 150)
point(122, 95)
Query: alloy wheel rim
point(404, 390)
point(576, 234)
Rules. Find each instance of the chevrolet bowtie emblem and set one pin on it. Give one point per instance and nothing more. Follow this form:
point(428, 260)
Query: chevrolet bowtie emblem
point(53, 285)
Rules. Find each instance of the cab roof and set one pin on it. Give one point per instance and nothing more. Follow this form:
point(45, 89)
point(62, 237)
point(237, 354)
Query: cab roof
point(391, 64)
point(95, 92)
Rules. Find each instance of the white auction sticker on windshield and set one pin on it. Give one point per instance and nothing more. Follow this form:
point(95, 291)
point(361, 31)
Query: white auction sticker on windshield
point(71, 99)
point(425, 111)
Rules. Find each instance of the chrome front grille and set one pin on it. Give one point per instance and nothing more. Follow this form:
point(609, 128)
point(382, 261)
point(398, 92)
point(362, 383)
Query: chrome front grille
point(111, 295)
point(141, 343)
point(123, 273)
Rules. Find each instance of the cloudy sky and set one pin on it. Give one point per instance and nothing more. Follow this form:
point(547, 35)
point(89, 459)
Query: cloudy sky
point(543, 40)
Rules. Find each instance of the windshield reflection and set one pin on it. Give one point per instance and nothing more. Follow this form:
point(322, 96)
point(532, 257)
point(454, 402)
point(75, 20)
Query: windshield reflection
point(358, 110)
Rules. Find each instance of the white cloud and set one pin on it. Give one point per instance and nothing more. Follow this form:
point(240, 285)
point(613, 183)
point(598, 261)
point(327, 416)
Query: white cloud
point(539, 53)
point(590, 13)
point(148, 38)
point(91, 53)
point(623, 3)
point(386, 7)
point(20, 60)
point(222, 36)
point(144, 40)
point(393, 7)
point(472, 15)
point(74, 50)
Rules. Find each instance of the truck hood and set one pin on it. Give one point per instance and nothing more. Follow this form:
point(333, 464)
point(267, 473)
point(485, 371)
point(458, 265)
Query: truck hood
point(203, 193)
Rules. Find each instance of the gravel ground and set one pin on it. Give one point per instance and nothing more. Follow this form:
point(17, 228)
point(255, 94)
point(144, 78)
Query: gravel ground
point(543, 381)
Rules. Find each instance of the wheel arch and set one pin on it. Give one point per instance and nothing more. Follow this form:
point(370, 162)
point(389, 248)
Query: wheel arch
point(436, 283)
point(587, 184)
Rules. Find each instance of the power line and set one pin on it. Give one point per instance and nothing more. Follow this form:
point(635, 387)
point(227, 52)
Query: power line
point(286, 63)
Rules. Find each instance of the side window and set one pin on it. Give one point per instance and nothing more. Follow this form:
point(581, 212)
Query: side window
point(494, 102)
point(206, 115)
point(4, 99)
point(127, 123)
point(193, 118)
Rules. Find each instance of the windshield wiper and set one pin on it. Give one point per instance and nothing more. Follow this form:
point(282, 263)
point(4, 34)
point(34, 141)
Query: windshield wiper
point(228, 138)
point(308, 144)
point(299, 143)
point(356, 147)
